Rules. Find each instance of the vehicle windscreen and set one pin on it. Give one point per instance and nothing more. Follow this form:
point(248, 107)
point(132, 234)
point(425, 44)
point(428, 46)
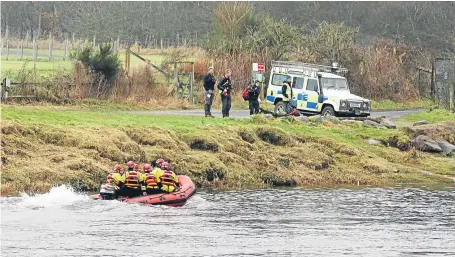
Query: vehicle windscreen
point(334, 83)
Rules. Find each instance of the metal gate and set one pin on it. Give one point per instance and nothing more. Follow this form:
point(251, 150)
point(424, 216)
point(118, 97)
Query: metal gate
point(444, 79)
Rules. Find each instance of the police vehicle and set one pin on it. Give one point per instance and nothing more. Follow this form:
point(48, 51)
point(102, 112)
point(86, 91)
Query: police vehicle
point(316, 89)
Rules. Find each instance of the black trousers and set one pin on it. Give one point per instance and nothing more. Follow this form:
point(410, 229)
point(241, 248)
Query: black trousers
point(129, 192)
point(208, 102)
point(226, 101)
point(151, 191)
point(254, 106)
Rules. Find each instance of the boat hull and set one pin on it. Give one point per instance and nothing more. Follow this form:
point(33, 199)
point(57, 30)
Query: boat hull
point(175, 199)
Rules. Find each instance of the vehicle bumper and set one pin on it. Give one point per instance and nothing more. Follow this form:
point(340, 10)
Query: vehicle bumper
point(354, 112)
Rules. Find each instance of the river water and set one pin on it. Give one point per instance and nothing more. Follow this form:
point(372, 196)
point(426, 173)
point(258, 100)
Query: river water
point(291, 222)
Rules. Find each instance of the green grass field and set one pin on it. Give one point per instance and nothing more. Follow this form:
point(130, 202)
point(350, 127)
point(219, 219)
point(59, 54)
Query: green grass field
point(47, 69)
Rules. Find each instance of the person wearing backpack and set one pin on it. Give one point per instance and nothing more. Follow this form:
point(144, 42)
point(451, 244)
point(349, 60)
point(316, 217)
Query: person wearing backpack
point(225, 88)
point(253, 97)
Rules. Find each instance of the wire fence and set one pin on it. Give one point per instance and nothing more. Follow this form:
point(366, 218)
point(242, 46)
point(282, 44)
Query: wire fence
point(14, 39)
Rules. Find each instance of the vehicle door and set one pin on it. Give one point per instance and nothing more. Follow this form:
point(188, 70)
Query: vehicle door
point(297, 91)
point(310, 95)
point(275, 87)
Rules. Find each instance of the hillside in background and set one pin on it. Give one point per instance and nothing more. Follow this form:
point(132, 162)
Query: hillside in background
point(425, 24)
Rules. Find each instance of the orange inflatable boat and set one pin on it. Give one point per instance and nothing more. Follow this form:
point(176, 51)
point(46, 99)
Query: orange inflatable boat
point(177, 198)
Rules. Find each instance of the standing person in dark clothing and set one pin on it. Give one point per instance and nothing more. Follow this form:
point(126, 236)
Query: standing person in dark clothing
point(209, 86)
point(253, 96)
point(225, 87)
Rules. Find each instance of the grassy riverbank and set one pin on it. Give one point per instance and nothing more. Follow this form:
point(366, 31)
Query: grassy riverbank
point(43, 146)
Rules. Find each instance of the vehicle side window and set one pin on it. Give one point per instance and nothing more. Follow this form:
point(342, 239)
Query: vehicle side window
point(278, 79)
point(298, 83)
point(312, 85)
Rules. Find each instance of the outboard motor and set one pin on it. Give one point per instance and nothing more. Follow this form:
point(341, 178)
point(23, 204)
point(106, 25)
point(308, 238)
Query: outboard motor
point(107, 192)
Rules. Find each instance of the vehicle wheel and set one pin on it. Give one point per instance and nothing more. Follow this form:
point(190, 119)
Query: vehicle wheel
point(280, 108)
point(328, 111)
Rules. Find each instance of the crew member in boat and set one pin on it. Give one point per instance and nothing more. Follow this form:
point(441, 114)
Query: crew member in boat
point(150, 180)
point(132, 181)
point(166, 179)
point(115, 179)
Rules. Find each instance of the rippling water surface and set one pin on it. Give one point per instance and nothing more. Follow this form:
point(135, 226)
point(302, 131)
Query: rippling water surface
point(294, 222)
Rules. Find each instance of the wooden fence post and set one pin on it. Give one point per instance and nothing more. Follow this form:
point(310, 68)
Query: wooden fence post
point(115, 46)
point(73, 42)
point(66, 47)
point(39, 26)
point(35, 49)
point(432, 86)
point(6, 34)
point(7, 49)
point(127, 61)
point(22, 49)
point(195, 40)
point(50, 46)
point(19, 49)
point(176, 76)
point(191, 83)
point(27, 38)
point(452, 95)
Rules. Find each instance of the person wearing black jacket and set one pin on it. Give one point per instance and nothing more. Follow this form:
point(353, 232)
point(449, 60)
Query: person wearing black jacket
point(253, 96)
point(209, 86)
point(225, 87)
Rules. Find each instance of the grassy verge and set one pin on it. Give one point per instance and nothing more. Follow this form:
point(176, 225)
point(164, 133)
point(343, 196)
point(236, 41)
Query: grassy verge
point(106, 105)
point(389, 105)
point(433, 116)
point(43, 147)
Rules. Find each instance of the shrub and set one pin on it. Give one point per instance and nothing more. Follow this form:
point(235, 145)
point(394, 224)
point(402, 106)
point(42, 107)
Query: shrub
point(102, 64)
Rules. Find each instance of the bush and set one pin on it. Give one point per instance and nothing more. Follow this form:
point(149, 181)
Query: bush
point(103, 65)
point(386, 72)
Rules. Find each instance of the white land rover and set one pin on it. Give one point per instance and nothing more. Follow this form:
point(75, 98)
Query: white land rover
point(316, 89)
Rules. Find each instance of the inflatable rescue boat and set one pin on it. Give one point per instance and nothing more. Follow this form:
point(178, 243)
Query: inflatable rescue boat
point(177, 198)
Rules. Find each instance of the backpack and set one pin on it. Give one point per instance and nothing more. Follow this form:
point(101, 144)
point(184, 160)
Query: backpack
point(245, 94)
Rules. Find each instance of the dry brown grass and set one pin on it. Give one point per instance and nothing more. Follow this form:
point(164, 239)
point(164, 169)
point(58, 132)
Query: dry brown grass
point(36, 157)
point(388, 71)
point(443, 130)
point(137, 87)
point(194, 52)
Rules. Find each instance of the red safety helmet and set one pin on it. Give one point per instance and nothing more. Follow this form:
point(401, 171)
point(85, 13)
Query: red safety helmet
point(130, 164)
point(118, 168)
point(147, 167)
point(159, 162)
point(165, 165)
